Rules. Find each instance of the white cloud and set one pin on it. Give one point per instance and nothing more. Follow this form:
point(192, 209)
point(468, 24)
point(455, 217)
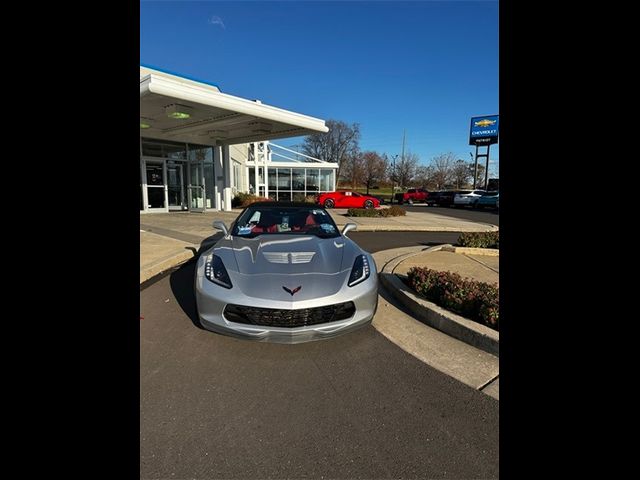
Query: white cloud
point(215, 20)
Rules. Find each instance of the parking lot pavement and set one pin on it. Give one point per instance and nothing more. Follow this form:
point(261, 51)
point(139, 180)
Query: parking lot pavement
point(355, 406)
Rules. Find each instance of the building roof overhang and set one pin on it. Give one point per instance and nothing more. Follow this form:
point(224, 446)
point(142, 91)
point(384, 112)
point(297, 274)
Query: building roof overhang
point(215, 118)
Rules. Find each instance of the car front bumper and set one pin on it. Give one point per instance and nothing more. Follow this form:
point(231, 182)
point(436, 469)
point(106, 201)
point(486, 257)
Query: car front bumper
point(212, 299)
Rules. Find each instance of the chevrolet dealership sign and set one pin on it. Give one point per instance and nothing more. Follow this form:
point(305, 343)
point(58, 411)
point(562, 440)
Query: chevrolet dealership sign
point(484, 130)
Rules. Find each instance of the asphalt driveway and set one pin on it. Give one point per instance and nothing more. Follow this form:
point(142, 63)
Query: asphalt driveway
point(355, 406)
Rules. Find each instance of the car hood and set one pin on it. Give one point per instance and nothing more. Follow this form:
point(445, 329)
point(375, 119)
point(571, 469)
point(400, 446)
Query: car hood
point(285, 254)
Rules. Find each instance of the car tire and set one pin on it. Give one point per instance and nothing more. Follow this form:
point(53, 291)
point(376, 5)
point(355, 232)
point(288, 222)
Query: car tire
point(329, 203)
point(368, 204)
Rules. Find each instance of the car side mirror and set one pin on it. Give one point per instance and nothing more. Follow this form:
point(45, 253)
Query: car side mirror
point(220, 225)
point(348, 227)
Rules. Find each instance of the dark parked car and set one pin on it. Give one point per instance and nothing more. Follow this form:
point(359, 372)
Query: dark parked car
point(433, 198)
point(380, 199)
point(446, 198)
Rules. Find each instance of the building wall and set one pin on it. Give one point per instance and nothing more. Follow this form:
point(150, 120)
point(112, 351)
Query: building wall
point(239, 155)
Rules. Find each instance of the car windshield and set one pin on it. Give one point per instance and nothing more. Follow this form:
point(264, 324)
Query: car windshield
point(285, 220)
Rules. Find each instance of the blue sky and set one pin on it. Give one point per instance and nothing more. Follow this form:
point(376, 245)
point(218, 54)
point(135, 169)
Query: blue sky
point(425, 67)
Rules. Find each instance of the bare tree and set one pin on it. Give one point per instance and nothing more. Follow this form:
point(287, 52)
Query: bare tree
point(352, 168)
point(337, 145)
point(374, 168)
point(471, 166)
point(442, 169)
point(406, 169)
point(460, 173)
point(424, 177)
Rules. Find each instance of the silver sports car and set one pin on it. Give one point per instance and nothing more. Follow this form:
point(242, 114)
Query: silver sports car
point(284, 273)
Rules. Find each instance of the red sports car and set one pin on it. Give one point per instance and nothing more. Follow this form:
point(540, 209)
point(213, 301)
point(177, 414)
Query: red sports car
point(346, 199)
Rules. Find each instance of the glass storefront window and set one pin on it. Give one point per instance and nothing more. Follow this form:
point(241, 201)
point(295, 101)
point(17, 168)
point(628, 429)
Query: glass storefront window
point(326, 180)
point(297, 178)
point(209, 183)
point(200, 153)
point(163, 149)
point(284, 178)
point(312, 180)
point(272, 178)
point(237, 179)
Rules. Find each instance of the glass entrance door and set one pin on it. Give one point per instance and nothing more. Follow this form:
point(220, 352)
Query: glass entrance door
point(196, 187)
point(176, 186)
point(156, 198)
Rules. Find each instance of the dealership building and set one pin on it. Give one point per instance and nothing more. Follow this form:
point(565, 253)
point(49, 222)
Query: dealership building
point(199, 147)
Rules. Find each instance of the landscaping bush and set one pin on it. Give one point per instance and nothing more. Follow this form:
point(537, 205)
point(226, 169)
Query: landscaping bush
point(311, 199)
point(372, 212)
point(480, 240)
point(477, 301)
point(362, 212)
point(392, 211)
point(242, 200)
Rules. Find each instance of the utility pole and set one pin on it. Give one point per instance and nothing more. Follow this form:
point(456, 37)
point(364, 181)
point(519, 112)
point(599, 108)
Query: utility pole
point(393, 178)
point(475, 170)
point(404, 134)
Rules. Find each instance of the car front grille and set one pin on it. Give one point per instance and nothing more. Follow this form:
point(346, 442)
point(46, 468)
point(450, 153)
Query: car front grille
point(278, 317)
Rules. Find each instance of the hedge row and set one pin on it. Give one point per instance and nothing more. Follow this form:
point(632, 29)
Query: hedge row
point(372, 212)
point(480, 239)
point(242, 200)
point(477, 301)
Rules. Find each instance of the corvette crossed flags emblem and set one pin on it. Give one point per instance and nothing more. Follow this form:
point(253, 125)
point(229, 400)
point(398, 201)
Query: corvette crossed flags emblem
point(292, 292)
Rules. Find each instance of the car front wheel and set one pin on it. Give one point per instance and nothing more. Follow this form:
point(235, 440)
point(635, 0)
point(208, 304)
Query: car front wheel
point(368, 204)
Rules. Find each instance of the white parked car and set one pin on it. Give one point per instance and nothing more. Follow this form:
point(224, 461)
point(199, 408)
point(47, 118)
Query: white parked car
point(467, 197)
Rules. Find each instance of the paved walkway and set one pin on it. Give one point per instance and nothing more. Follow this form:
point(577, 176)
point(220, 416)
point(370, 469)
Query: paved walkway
point(159, 253)
point(483, 268)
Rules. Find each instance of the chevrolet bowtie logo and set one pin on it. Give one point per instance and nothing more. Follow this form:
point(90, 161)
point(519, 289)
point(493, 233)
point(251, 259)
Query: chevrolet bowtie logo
point(294, 291)
point(484, 123)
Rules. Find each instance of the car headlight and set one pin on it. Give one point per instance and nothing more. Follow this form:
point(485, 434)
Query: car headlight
point(215, 272)
point(360, 271)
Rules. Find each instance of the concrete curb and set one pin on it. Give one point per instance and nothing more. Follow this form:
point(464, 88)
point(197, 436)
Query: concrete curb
point(164, 264)
point(407, 228)
point(491, 252)
point(465, 330)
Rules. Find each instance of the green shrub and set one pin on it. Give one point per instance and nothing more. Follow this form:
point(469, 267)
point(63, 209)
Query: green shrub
point(477, 301)
point(372, 212)
point(480, 239)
